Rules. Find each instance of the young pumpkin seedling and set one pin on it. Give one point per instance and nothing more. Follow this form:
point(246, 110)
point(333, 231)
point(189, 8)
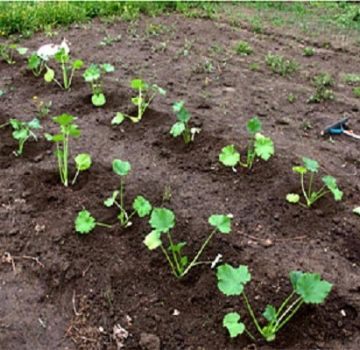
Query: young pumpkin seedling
point(310, 195)
point(23, 131)
point(308, 288)
point(68, 68)
point(67, 129)
point(141, 206)
point(181, 127)
point(92, 75)
point(145, 95)
point(162, 220)
point(7, 52)
point(85, 222)
point(258, 146)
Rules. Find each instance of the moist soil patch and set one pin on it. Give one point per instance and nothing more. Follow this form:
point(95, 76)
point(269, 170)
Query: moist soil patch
point(67, 291)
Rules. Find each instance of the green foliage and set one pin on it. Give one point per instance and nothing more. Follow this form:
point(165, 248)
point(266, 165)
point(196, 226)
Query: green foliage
point(308, 288)
point(68, 129)
point(162, 221)
point(308, 51)
point(352, 79)
point(93, 76)
point(258, 146)
point(35, 64)
point(311, 167)
point(141, 206)
point(181, 127)
point(85, 222)
point(67, 66)
point(243, 48)
point(7, 52)
point(356, 92)
point(280, 65)
point(22, 131)
point(323, 83)
point(145, 95)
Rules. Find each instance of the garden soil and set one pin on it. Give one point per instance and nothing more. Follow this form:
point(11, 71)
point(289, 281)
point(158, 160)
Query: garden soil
point(69, 291)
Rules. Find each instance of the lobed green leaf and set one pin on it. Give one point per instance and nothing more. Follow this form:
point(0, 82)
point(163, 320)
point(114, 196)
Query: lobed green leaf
point(120, 167)
point(231, 280)
point(229, 156)
point(162, 220)
point(232, 324)
point(221, 222)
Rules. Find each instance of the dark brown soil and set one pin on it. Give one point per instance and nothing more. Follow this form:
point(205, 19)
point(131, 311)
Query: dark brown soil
point(88, 284)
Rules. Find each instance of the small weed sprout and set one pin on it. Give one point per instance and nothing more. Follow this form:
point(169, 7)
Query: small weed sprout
point(291, 98)
point(68, 68)
point(311, 167)
point(145, 95)
point(7, 52)
point(92, 75)
point(308, 51)
point(258, 146)
point(85, 222)
point(181, 127)
point(322, 82)
point(67, 129)
point(141, 206)
point(22, 131)
point(162, 220)
point(352, 79)
point(243, 48)
point(281, 65)
point(308, 288)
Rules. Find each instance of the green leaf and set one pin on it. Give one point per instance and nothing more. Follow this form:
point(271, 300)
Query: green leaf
point(138, 84)
point(311, 164)
point(330, 183)
point(293, 198)
point(177, 106)
point(294, 277)
point(108, 68)
point(270, 313)
point(83, 161)
point(232, 324)
point(92, 73)
point(253, 125)
point(109, 202)
point(229, 156)
point(73, 130)
point(221, 222)
point(152, 240)
point(264, 147)
point(231, 281)
point(162, 220)
point(78, 64)
point(118, 119)
point(22, 50)
point(98, 100)
point(84, 222)
point(34, 124)
point(177, 129)
point(20, 134)
point(61, 56)
point(177, 248)
point(64, 119)
point(299, 169)
point(142, 206)
point(120, 167)
point(356, 211)
point(312, 289)
point(49, 75)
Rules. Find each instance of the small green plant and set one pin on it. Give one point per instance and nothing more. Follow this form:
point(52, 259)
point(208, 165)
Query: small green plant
point(356, 92)
point(243, 48)
point(36, 64)
point(254, 66)
point(24, 131)
point(308, 288)
point(308, 51)
point(322, 82)
point(68, 68)
point(145, 95)
point(181, 127)
point(280, 65)
point(258, 146)
point(352, 79)
point(109, 40)
point(85, 222)
point(67, 129)
point(162, 220)
point(92, 75)
point(311, 167)
point(141, 206)
point(291, 98)
point(7, 52)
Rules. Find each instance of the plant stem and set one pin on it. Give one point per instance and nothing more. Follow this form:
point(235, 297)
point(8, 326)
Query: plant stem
point(60, 166)
point(65, 158)
point(251, 312)
point(169, 261)
point(284, 303)
point(197, 256)
point(250, 335)
point(300, 301)
point(3, 125)
point(179, 269)
point(75, 177)
point(103, 225)
point(308, 203)
point(310, 184)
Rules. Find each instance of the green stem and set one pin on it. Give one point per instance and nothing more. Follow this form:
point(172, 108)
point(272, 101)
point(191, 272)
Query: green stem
point(65, 159)
point(3, 125)
point(300, 301)
point(250, 335)
point(103, 225)
point(64, 69)
point(75, 177)
point(59, 160)
point(179, 269)
point(197, 256)
point(310, 184)
point(251, 312)
point(284, 304)
point(308, 203)
point(169, 261)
